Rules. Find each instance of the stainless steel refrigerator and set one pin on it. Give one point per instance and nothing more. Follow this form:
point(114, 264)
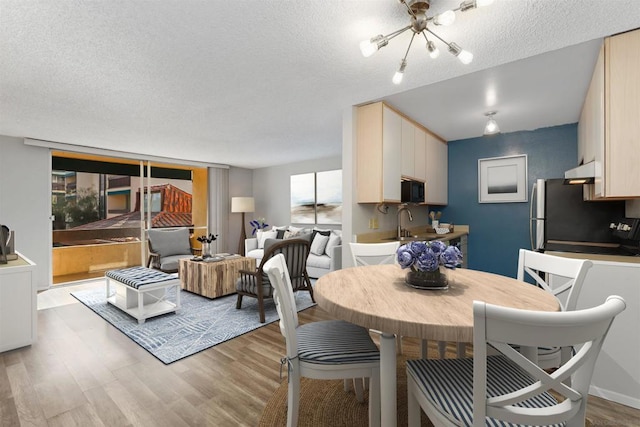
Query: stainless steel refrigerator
point(560, 220)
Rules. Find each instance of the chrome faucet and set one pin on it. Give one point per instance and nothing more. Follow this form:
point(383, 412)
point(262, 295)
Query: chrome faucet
point(400, 210)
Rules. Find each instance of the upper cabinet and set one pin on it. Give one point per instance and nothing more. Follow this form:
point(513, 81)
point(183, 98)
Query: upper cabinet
point(408, 148)
point(391, 147)
point(437, 170)
point(420, 154)
point(609, 129)
point(591, 124)
point(379, 149)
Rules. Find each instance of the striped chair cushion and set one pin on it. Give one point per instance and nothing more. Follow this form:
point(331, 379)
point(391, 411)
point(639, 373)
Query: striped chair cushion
point(248, 284)
point(136, 277)
point(334, 342)
point(448, 385)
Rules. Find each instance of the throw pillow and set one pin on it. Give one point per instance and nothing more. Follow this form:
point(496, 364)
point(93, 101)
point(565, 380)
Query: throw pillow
point(334, 240)
point(319, 244)
point(264, 235)
point(295, 229)
point(281, 234)
point(322, 232)
point(290, 234)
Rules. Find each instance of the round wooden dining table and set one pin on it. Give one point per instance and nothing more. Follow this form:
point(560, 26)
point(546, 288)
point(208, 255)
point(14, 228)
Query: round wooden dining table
point(377, 297)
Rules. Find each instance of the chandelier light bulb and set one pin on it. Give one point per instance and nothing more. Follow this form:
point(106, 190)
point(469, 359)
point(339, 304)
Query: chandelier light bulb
point(397, 77)
point(465, 57)
point(445, 18)
point(372, 45)
point(434, 52)
point(367, 48)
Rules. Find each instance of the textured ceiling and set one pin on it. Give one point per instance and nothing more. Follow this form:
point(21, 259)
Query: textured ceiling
point(255, 83)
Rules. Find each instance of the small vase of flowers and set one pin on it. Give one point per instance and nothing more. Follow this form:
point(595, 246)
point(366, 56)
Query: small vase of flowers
point(258, 224)
point(206, 244)
point(425, 261)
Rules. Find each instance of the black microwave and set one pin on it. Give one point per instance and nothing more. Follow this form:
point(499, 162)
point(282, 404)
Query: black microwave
point(412, 192)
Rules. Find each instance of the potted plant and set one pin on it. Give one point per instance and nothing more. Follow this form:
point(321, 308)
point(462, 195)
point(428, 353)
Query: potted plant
point(206, 244)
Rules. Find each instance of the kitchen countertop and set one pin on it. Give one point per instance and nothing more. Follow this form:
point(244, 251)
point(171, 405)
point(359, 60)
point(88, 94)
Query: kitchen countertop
point(598, 257)
point(417, 234)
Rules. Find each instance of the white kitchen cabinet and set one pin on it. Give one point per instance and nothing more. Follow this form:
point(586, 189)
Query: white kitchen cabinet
point(609, 127)
point(408, 148)
point(436, 171)
point(420, 157)
point(591, 123)
point(378, 154)
point(18, 304)
point(390, 147)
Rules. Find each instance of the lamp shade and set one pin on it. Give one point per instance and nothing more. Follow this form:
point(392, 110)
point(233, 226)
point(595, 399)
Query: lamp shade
point(242, 204)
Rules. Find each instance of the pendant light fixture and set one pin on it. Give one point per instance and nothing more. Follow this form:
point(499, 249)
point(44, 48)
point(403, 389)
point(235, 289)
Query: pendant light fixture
point(417, 10)
point(491, 128)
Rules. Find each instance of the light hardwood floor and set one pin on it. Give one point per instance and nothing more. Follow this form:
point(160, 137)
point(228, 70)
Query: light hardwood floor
point(84, 372)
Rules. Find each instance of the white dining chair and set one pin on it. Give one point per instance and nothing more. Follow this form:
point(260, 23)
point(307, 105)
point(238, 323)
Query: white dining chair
point(507, 388)
point(330, 349)
point(374, 253)
point(363, 254)
point(563, 278)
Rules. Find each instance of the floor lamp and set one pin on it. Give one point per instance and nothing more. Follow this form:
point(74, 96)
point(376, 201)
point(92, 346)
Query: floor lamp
point(242, 205)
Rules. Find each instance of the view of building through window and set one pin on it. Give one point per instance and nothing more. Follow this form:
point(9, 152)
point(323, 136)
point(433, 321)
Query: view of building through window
point(98, 220)
point(83, 201)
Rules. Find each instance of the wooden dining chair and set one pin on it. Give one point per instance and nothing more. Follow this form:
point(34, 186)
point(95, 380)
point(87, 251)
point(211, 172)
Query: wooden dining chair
point(507, 388)
point(563, 278)
point(330, 349)
point(256, 284)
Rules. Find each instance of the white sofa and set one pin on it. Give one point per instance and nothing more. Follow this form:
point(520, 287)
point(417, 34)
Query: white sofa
point(325, 259)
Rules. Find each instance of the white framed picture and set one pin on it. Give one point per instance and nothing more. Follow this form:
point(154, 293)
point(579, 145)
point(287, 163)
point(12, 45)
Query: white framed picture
point(502, 179)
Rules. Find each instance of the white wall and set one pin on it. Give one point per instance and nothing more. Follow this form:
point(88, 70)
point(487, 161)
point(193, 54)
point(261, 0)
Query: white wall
point(25, 202)
point(240, 185)
point(272, 189)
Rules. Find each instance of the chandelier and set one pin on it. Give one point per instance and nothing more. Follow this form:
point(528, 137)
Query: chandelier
point(419, 25)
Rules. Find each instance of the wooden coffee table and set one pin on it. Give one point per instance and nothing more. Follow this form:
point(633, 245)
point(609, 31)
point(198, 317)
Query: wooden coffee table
point(213, 279)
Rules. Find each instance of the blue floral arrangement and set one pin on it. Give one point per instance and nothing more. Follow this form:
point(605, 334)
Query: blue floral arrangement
point(428, 256)
point(258, 224)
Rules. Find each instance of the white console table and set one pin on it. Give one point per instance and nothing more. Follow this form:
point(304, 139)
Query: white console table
point(18, 304)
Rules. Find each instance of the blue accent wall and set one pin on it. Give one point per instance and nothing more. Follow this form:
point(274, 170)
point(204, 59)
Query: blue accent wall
point(499, 230)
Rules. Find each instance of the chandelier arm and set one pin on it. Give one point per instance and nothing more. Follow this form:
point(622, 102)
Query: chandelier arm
point(437, 36)
point(407, 52)
point(396, 33)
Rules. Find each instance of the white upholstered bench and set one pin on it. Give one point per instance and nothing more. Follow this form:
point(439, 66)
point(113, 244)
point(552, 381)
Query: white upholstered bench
point(142, 292)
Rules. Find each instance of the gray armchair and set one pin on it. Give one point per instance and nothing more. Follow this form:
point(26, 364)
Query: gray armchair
point(167, 247)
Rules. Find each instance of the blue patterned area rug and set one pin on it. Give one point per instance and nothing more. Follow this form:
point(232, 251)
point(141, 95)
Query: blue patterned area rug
point(200, 323)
